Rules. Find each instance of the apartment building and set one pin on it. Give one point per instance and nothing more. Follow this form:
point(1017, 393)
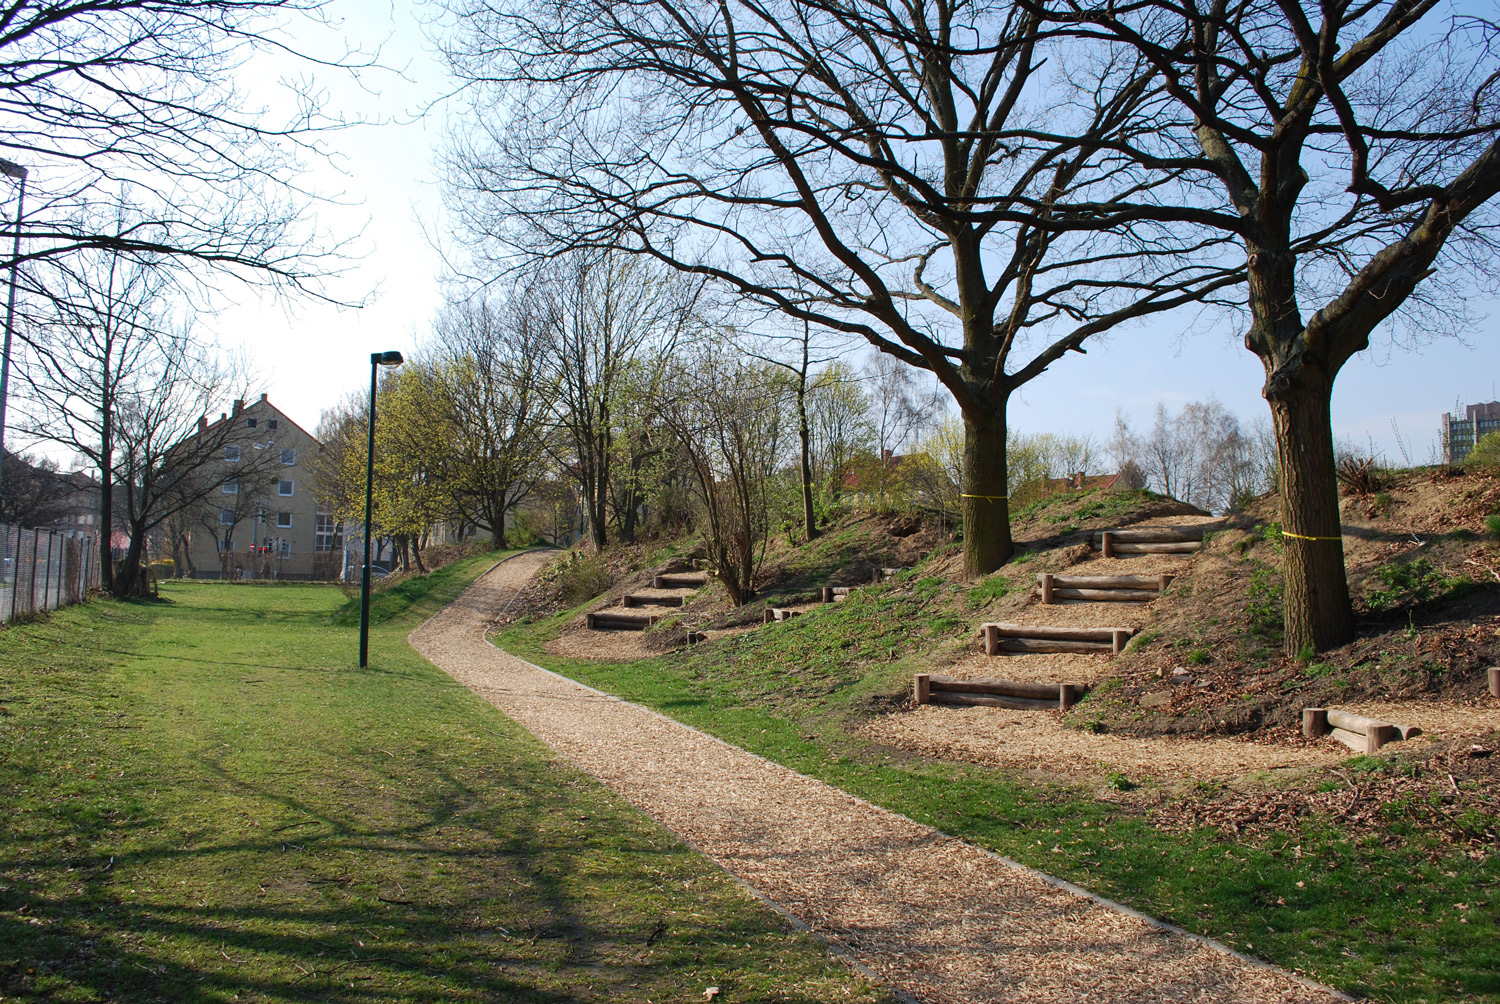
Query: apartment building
point(264, 520)
point(1461, 432)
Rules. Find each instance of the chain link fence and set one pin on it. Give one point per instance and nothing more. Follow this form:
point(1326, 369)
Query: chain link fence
point(44, 570)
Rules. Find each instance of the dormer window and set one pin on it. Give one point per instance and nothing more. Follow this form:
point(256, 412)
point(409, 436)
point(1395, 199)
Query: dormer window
point(249, 423)
point(271, 423)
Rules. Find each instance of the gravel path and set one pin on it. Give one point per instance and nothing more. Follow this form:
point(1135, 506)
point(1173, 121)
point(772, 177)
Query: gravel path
point(937, 918)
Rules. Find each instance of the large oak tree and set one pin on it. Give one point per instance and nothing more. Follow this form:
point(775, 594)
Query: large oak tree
point(913, 174)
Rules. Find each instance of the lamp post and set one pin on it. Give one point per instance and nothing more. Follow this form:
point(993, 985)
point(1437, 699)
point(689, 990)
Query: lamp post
point(377, 360)
point(18, 172)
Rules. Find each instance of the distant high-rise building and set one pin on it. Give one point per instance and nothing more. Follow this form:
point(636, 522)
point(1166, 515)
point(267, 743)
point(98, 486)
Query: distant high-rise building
point(1461, 432)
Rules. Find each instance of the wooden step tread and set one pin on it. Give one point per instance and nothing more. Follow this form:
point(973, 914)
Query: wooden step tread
point(639, 600)
point(680, 580)
point(610, 621)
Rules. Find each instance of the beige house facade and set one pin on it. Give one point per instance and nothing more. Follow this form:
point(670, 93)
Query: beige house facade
point(263, 521)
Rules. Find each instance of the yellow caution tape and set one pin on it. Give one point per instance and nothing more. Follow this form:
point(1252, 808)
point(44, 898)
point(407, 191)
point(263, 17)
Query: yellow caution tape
point(1300, 536)
point(987, 498)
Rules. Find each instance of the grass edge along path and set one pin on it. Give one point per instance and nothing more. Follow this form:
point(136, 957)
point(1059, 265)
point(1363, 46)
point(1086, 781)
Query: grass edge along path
point(209, 804)
point(1408, 922)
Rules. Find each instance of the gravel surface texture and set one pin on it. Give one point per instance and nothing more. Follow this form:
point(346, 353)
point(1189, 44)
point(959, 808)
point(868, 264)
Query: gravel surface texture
point(936, 918)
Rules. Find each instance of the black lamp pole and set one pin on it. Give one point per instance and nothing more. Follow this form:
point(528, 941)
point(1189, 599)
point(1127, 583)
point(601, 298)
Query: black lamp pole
point(377, 359)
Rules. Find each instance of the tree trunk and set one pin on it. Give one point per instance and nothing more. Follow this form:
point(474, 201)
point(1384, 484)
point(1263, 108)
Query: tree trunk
point(129, 580)
point(497, 526)
point(809, 518)
point(986, 509)
point(1318, 612)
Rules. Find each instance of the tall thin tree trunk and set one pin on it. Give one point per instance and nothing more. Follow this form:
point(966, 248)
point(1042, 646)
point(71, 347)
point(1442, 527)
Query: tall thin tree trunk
point(497, 524)
point(804, 432)
point(986, 508)
point(1318, 613)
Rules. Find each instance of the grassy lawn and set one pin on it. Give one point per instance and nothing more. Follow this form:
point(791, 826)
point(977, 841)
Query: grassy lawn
point(1408, 918)
point(204, 801)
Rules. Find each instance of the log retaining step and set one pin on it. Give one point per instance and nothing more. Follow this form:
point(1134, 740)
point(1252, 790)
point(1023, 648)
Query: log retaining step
point(835, 594)
point(928, 688)
point(609, 621)
point(1358, 732)
point(680, 580)
point(1040, 638)
point(636, 600)
point(774, 614)
point(1103, 588)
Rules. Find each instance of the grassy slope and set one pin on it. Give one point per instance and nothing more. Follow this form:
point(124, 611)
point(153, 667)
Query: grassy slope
point(1373, 918)
point(205, 802)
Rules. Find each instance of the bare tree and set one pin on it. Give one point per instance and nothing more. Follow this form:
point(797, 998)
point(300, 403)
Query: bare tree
point(135, 105)
point(604, 311)
point(1349, 151)
point(875, 170)
point(490, 365)
point(37, 492)
point(840, 423)
point(730, 423)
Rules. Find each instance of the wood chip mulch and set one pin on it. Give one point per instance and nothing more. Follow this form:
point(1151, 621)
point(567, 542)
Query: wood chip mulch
point(934, 917)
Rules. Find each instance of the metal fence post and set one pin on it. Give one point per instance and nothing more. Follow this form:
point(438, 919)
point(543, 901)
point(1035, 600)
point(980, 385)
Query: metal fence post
point(36, 547)
point(15, 575)
point(47, 578)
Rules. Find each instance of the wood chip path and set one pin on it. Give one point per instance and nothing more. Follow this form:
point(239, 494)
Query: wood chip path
point(936, 918)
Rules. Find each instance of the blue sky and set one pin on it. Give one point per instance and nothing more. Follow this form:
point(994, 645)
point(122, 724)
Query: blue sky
point(310, 354)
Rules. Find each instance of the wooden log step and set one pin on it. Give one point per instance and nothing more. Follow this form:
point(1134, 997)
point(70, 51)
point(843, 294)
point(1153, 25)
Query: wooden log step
point(780, 614)
point(607, 621)
point(832, 594)
point(697, 637)
point(1037, 638)
point(1108, 581)
point(993, 701)
point(1104, 634)
point(1180, 547)
point(1359, 732)
point(1036, 645)
point(1159, 534)
point(1107, 595)
point(1062, 694)
point(636, 600)
point(680, 580)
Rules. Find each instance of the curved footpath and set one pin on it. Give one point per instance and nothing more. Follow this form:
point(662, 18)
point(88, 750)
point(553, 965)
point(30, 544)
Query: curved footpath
point(939, 919)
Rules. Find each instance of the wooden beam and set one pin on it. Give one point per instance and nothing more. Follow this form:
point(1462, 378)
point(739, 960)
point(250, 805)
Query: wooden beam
point(996, 701)
point(1103, 581)
point(1105, 595)
point(1314, 722)
point(1494, 674)
point(1104, 634)
point(1048, 581)
point(922, 688)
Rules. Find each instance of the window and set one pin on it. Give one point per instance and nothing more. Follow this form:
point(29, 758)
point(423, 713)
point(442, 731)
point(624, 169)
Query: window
point(329, 536)
point(286, 547)
point(288, 458)
point(271, 423)
point(285, 488)
point(283, 520)
point(232, 454)
point(249, 423)
point(230, 487)
point(226, 516)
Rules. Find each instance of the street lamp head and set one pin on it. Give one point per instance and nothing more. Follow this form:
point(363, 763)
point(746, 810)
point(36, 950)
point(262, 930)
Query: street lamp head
point(391, 358)
point(12, 169)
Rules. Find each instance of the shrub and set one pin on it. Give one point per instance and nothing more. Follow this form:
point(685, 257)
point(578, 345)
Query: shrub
point(1492, 524)
point(1265, 593)
point(163, 568)
point(1410, 582)
point(583, 577)
point(1485, 456)
point(1359, 475)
